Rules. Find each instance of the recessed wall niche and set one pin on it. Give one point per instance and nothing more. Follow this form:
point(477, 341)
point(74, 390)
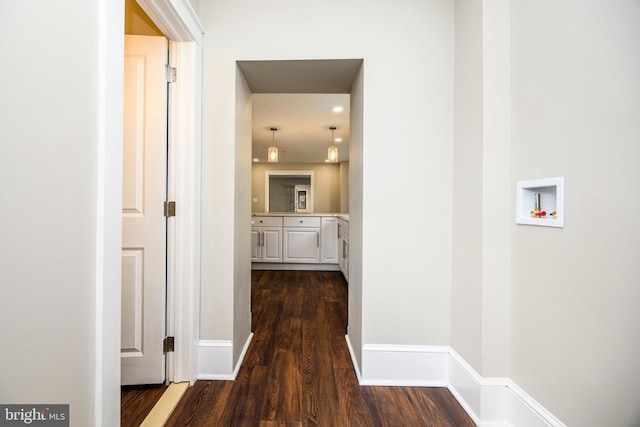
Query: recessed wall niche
point(540, 202)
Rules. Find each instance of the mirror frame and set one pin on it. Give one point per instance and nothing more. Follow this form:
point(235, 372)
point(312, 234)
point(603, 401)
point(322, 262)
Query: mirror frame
point(269, 173)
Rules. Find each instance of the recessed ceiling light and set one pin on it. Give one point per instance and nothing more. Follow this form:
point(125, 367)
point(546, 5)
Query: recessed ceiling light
point(256, 160)
point(338, 139)
point(338, 109)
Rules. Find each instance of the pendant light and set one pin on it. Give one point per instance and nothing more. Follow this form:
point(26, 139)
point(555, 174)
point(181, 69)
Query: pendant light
point(332, 153)
point(272, 153)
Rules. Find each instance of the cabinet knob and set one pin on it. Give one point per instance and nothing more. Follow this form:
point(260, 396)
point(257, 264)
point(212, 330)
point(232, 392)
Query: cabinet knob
point(301, 221)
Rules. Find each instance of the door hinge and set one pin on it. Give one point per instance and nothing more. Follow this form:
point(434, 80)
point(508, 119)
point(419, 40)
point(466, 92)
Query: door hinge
point(169, 209)
point(168, 344)
point(171, 73)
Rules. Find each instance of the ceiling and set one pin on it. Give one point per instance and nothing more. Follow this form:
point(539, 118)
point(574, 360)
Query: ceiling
point(298, 98)
point(303, 122)
point(301, 76)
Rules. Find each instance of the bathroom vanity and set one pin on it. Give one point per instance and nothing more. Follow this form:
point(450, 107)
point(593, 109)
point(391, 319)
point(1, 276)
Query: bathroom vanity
point(281, 241)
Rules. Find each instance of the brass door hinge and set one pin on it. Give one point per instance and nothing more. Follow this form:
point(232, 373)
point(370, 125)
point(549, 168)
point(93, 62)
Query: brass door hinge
point(168, 345)
point(171, 73)
point(169, 209)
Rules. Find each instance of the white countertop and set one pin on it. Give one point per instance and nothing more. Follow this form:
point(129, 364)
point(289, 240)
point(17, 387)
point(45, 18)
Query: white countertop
point(342, 215)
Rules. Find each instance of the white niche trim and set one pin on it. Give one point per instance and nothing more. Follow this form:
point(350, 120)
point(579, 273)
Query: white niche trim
point(540, 202)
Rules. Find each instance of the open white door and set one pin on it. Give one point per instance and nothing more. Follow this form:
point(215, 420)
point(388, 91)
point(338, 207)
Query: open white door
point(144, 256)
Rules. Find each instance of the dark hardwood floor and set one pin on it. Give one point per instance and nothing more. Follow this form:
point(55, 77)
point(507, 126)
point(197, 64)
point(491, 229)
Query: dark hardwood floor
point(298, 371)
point(137, 401)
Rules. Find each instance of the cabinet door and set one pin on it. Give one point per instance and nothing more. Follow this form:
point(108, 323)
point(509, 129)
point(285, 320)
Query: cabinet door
point(340, 245)
point(271, 244)
point(345, 259)
point(329, 241)
point(255, 244)
point(302, 245)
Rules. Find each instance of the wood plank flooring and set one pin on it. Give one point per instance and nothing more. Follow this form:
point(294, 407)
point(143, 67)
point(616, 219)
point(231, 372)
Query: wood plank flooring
point(298, 372)
point(137, 401)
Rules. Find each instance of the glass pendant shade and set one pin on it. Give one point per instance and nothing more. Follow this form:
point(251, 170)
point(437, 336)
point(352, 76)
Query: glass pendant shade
point(332, 154)
point(272, 154)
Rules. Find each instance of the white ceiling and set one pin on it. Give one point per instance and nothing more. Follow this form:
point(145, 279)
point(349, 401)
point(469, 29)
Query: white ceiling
point(303, 122)
point(298, 98)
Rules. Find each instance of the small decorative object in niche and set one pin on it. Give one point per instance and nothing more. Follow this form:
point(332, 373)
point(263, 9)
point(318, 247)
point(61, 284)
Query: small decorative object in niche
point(540, 202)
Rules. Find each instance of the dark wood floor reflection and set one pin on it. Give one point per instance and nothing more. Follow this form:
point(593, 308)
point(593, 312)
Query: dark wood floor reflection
point(298, 372)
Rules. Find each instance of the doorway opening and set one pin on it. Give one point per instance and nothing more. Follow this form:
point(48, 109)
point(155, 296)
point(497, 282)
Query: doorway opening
point(182, 182)
point(294, 78)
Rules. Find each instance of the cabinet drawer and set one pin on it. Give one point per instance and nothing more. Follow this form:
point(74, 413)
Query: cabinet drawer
point(302, 221)
point(266, 221)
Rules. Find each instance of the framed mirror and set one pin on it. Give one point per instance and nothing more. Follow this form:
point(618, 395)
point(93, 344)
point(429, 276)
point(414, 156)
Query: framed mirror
point(288, 191)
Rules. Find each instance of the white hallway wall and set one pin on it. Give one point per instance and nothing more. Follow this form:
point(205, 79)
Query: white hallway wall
point(60, 268)
point(466, 285)
point(574, 337)
point(574, 102)
point(407, 109)
point(575, 334)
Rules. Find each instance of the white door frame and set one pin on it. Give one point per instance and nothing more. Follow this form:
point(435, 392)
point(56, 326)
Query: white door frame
point(177, 20)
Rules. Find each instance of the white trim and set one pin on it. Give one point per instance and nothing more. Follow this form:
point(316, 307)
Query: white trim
point(523, 403)
point(216, 359)
point(180, 20)
point(175, 18)
point(110, 57)
point(354, 360)
point(495, 401)
point(184, 188)
point(464, 383)
point(172, 174)
point(404, 365)
point(293, 266)
point(181, 26)
point(490, 402)
point(242, 354)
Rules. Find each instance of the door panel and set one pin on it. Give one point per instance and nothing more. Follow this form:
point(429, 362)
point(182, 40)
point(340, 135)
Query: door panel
point(255, 245)
point(329, 241)
point(272, 245)
point(301, 245)
point(132, 262)
point(143, 221)
point(133, 147)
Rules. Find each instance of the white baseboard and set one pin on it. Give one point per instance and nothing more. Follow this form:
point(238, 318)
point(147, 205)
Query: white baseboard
point(294, 266)
point(490, 402)
point(354, 360)
point(215, 359)
point(418, 366)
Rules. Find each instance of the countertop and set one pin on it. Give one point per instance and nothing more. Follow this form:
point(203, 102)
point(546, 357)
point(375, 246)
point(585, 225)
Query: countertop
point(342, 215)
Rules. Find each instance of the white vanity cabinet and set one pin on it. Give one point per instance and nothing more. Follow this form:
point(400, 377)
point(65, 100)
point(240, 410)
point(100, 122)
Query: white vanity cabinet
point(301, 239)
point(343, 247)
point(266, 239)
point(329, 236)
